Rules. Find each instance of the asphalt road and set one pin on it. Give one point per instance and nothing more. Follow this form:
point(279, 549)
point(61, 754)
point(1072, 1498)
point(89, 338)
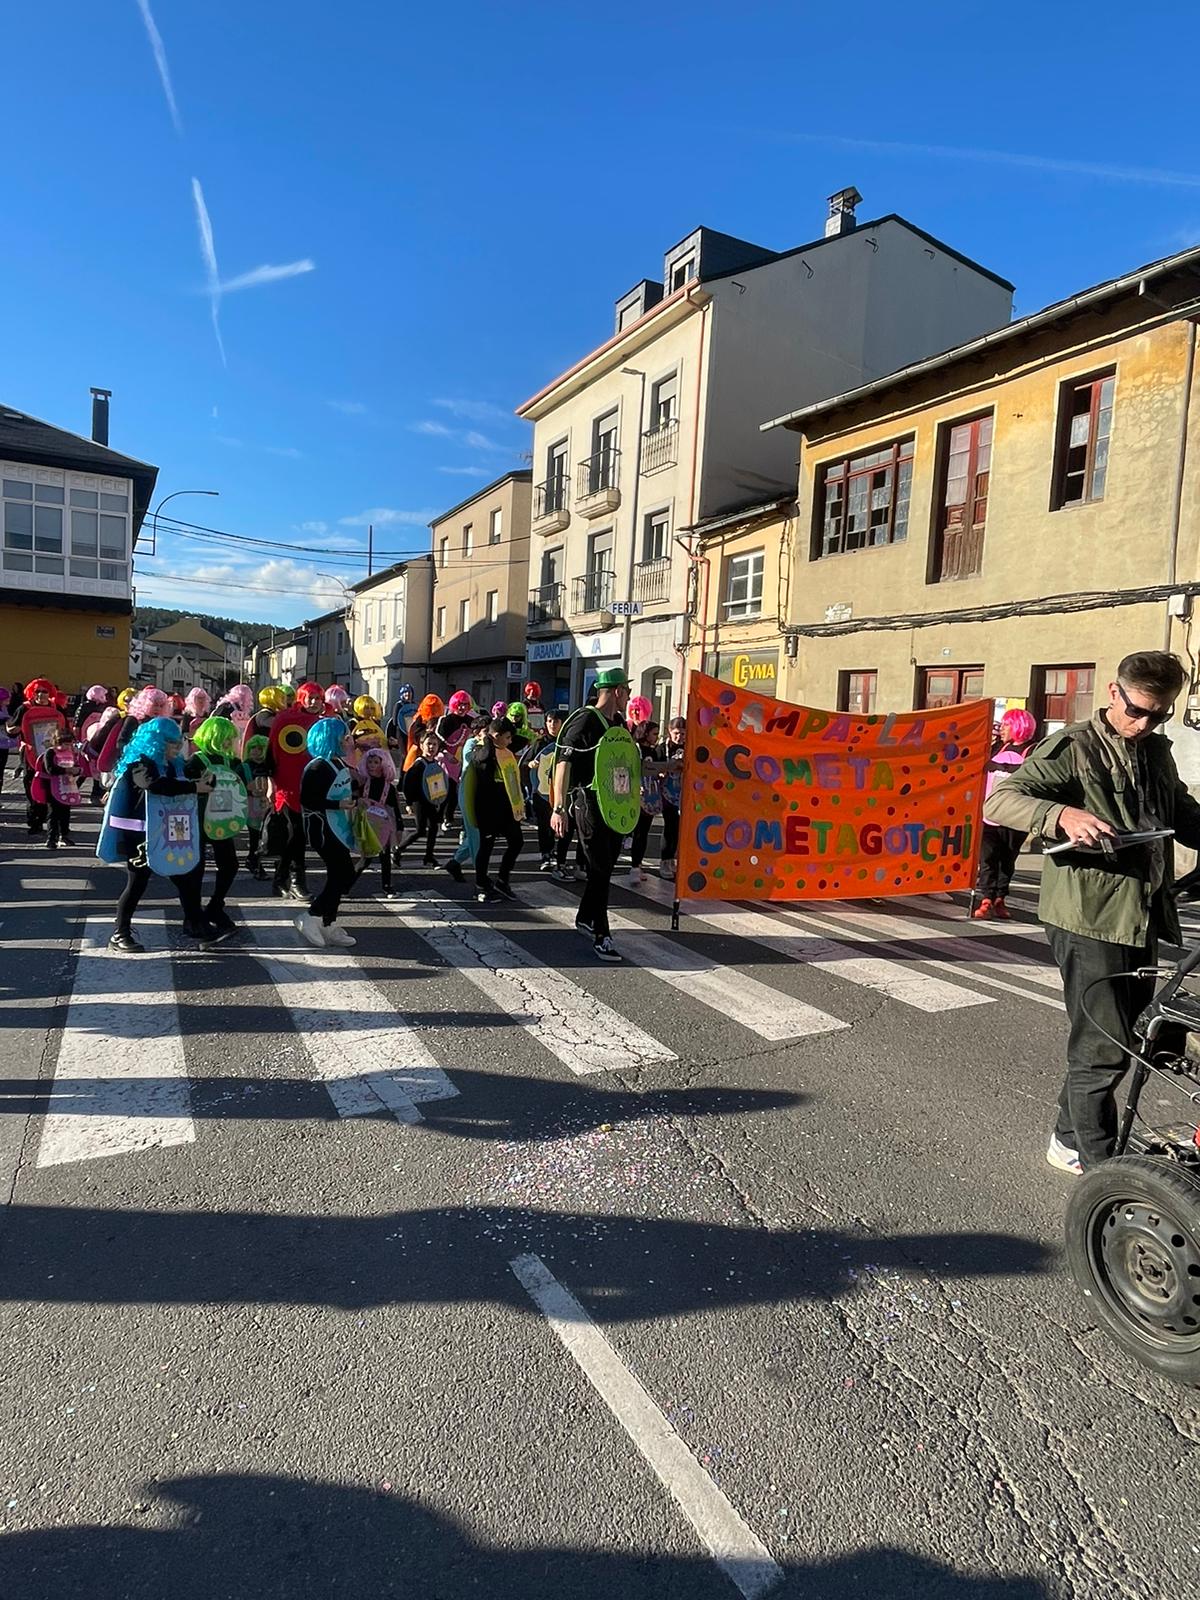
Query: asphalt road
point(458, 1264)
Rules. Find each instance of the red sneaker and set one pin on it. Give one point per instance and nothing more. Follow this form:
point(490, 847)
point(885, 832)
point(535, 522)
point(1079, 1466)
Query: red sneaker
point(1000, 910)
point(982, 910)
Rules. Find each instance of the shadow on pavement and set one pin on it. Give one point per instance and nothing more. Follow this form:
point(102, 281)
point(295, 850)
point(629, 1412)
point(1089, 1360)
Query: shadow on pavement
point(243, 1537)
point(630, 1267)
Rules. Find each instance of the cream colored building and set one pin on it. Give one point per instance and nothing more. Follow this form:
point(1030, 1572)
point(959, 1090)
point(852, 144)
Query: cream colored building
point(737, 596)
point(481, 590)
point(1008, 518)
point(389, 631)
point(657, 429)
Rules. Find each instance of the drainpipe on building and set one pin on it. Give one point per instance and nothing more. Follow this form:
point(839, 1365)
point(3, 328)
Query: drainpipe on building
point(627, 642)
point(1173, 557)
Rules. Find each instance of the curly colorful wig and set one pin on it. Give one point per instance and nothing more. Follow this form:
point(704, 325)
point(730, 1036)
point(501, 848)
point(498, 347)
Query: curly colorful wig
point(198, 702)
point(147, 704)
point(150, 743)
point(241, 698)
point(378, 763)
point(431, 708)
point(1017, 726)
point(97, 695)
point(216, 736)
point(325, 739)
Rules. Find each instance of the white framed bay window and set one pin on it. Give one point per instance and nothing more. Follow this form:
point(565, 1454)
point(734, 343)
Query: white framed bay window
point(65, 531)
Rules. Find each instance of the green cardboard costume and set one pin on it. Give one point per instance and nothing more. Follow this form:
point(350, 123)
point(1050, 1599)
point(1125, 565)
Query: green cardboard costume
point(227, 805)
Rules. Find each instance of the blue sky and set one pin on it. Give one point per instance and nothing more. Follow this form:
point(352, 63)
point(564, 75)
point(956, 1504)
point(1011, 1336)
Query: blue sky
point(453, 197)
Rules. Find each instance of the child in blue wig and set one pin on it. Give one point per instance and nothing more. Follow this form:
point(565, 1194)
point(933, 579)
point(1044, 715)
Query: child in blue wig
point(151, 763)
point(327, 797)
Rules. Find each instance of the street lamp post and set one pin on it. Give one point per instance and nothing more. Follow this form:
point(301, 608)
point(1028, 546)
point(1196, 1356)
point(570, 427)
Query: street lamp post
point(174, 495)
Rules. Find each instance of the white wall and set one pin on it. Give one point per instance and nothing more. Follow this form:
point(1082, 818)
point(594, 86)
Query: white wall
point(816, 324)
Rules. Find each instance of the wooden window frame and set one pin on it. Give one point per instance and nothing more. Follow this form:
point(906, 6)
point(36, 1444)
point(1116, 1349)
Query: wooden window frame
point(961, 674)
point(937, 531)
point(845, 702)
point(1064, 414)
point(903, 453)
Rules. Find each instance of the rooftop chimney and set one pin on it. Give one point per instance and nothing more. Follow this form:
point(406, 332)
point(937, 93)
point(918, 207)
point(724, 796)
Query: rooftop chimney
point(100, 399)
point(841, 212)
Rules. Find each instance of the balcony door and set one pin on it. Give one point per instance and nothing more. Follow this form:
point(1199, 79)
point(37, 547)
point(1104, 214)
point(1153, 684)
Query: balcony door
point(603, 474)
point(962, 515)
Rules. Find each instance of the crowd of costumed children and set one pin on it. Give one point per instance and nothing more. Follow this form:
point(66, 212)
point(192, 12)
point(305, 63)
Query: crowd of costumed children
point(290, 774)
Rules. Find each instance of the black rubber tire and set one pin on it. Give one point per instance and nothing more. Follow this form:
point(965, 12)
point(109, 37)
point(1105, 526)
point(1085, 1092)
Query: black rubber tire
point(1133, 1245)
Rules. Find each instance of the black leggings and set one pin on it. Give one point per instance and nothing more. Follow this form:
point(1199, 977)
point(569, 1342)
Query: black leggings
point(36, 811)
point(186, 887)
point(225, 865)
point(601, 847)
point(641, 836)
point(998, 852)
point(340, 873)
point(291, 857)
point(670, 842)
point(60, 820)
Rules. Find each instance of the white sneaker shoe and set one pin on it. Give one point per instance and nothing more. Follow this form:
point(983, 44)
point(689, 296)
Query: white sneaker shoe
point(1061, 1155)
point(666, 869)
point(339, 936)
point(636, 875)
point(310, 929)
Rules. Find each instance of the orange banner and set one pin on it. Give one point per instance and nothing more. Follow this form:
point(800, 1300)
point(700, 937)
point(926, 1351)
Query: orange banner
point(784, 802)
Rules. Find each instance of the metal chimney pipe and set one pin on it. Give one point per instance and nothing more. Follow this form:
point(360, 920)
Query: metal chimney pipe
point(100, 399)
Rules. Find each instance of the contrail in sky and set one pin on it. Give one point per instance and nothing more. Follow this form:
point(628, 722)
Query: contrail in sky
point(160, 61)
point(260, 275)
point(211, 270)
point(1008, 158)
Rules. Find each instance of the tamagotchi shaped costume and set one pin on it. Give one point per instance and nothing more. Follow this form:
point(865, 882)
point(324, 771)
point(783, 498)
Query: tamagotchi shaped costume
point(226, 810)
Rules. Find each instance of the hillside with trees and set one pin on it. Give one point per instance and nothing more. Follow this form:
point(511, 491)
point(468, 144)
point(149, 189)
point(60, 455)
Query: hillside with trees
point(149, 619)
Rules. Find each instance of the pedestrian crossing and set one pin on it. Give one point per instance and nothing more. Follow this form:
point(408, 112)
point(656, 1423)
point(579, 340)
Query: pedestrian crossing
point(121, 1081)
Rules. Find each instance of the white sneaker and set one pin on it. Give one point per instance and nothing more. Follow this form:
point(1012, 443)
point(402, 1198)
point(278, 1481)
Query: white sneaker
point(310, 929)
point(1061, 1155)
point(339, 936)
point(636, 875)
point(666, 869)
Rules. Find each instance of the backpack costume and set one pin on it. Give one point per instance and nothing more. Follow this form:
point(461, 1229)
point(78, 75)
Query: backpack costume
point(226, 810)
point(617, 779)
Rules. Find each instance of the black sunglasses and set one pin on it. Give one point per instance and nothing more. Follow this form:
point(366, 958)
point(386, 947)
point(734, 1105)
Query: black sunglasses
point(1143, 713)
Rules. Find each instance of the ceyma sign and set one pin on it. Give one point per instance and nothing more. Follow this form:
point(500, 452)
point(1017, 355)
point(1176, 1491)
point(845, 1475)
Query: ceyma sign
point(549, 650)
point(749, 669)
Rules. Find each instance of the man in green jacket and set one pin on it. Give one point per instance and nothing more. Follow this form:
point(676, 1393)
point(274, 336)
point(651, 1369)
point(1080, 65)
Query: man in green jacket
point(1104, 913)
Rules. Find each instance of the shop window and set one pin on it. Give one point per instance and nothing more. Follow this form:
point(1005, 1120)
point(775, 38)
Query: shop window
point(858, 692)
point(948, 686)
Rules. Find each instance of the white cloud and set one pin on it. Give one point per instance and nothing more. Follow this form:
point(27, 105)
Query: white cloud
point(388, 517)
point(348, 408)
point(275, 576)
point(212, 272)
point(480, 441)
point(475, 410)
point(258, 276)
point(310, 527)
point(160, 61)
point(436, 430)
point(466, 472)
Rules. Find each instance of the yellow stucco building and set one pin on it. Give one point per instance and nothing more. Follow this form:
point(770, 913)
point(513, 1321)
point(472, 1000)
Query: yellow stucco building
point(1006, 519)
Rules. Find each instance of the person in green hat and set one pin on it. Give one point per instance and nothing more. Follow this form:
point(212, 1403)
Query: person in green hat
point(597, 783)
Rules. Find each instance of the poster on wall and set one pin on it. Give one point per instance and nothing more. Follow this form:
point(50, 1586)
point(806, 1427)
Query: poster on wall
point(788, 802)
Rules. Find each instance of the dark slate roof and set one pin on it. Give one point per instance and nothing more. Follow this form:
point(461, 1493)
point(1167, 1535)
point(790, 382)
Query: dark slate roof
point(26, 438)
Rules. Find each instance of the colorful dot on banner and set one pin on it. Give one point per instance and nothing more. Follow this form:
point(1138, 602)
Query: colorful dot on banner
point(718, 872)
point(880, 874)
point(906, 788)
point(707, 716)
point(935, 758)
point(703, 861)
point(794, 805)
point(726, 697)
point(719, 783)
point(757, 795)
point(862, 872)
point(951, 752)
point(702, 752)
point(753, 861)
point(758, 883)
point(696, 881)
point(835, 799)
point(815, 802)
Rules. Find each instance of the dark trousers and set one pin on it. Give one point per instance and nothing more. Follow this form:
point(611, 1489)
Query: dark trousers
point(428, 818)
point(60, 820)
point(385, 868)
point(225, 866)
point(340, 873)
point(998, 852)
point(138, 876)
point(601, 847)
point(541, 815)
point(491, 829)
point(1087, 1106)
point(670, 842)
point(291, 857)
point(36, 811)
point(3, 765)
point(641, 837)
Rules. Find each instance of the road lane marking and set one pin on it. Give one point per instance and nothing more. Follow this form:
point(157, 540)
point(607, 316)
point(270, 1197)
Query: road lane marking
point(120, 1082)
point(897, 928)
point(920, 990)
point(765, 1011)
point(731, 1542)
point(576, 1027)
point(360, 1047)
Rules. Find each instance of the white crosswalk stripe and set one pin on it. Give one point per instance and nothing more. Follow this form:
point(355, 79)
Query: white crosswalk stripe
point(364, 1052)
point(898, 981)
point(120, 1082)
point(574, 1025)
point(768, 1012)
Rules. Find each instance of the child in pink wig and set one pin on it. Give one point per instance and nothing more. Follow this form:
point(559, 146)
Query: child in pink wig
point(146, 704)
point(385, 809)
point(196, 706)
point(1000, 847)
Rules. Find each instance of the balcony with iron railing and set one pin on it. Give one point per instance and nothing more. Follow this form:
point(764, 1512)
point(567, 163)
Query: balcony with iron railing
point(652, 580)
point(660, 446)
point(597, 483)
point(592, 591)
point(546, 605)
point(551, 512)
